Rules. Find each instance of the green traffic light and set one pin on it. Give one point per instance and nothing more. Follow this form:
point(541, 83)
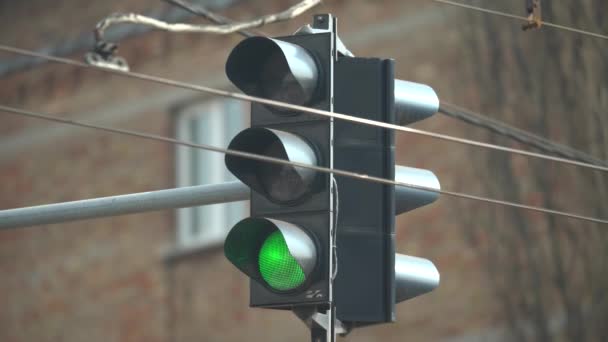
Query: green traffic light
point(277, 266)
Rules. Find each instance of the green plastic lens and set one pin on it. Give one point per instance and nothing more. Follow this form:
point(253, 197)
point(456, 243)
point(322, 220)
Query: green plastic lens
point(278, 268)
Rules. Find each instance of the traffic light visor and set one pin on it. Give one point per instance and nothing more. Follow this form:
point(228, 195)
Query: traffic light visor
point(273, 69)
point(414, 102)
point(277, 254)
point(279, 183)
point(414, 277)
point(407, 198)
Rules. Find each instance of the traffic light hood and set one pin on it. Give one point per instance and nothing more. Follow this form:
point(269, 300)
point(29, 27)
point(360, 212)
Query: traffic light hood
point(414, 277)
point(277, 254)
point(414, 102)
point(273, 69)
point(277, 182)
point(406, 198)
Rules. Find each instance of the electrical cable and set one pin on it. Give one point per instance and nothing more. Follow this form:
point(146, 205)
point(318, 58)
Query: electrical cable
point(518, 17)
point(262, 158)
point(517, 134)
point(334, 233)
point(448, 109)
point(135, 18)
point(283, 105)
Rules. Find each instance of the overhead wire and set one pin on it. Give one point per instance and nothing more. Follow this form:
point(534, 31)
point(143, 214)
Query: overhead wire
point(445, 108)
point(517, 134)
point(226, 28)
point(263, 158)
point(518, 17)
point(293, 107)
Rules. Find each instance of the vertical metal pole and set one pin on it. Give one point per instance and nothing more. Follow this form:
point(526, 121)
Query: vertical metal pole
point(317, 333)
point(331, 311)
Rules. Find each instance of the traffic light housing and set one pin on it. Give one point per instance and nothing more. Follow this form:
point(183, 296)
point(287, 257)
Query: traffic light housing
point(285, 247)
point(364, 290)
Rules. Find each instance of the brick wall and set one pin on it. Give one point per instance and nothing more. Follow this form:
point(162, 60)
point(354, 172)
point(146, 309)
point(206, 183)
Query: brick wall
point(111, 279)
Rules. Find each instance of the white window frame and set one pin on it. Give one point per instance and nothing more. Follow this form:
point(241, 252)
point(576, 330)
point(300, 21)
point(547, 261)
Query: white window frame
point(213, 122)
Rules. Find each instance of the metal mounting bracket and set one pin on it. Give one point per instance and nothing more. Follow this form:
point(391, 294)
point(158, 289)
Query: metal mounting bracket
point(103, 56)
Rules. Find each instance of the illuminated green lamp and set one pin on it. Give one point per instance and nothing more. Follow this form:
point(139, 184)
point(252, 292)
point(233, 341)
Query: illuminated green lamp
point(278, 267)
point(277, 254)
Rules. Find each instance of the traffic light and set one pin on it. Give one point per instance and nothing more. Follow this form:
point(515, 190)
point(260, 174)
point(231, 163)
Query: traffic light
point(372, 278)
point(285, 247)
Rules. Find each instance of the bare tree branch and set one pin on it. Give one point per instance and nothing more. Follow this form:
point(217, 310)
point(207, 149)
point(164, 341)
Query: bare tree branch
point(550, 279)
point(134, 18)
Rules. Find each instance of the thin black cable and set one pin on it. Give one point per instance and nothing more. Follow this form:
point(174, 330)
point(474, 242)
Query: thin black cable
point(448, 109)
point(314, 111)
point(262, 158)
point(518, 17)
point(517, 134)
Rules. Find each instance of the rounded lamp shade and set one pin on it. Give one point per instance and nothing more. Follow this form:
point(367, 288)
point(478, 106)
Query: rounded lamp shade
point(277, 254)
point(279, 183)
point(273, 69)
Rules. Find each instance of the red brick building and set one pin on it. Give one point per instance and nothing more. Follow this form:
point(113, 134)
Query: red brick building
point(162, 276)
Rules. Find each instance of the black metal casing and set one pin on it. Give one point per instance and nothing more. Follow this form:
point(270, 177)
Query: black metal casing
point(364, 289)
point(312, 211)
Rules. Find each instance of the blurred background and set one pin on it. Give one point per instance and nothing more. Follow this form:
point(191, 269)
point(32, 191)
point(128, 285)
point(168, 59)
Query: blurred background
point(506, 274)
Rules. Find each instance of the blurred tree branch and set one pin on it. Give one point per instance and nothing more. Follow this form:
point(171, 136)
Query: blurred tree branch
point(548, 274)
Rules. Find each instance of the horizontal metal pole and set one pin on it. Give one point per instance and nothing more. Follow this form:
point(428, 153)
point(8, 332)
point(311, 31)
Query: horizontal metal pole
point(124, 204)
point(406, 199)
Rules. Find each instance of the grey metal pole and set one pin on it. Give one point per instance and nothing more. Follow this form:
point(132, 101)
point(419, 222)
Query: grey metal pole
point(124, 204)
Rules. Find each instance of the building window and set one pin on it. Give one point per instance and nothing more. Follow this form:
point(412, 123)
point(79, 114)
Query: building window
point(214, 123)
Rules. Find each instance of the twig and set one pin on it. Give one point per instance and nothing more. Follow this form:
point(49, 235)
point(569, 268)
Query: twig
point(134, 18)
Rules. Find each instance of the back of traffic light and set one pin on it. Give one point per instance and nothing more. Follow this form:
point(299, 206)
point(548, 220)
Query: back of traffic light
point(286, 246)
